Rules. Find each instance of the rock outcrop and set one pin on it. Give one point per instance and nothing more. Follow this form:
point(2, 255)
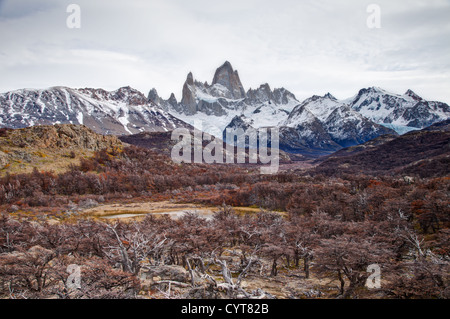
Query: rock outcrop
point(188, 100)
point(227, 77)
point(62, 136)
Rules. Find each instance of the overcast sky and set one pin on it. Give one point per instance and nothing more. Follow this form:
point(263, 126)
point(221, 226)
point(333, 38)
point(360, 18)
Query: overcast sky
point(308, 47)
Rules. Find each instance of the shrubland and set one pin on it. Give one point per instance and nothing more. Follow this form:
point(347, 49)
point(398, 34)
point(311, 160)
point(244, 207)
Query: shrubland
point(333, 228)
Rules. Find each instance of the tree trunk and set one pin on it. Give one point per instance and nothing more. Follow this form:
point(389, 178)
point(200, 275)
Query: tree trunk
point(126, 262)
point(191, 272)
point(306, 266)
point(274, 271)
point(341, 280)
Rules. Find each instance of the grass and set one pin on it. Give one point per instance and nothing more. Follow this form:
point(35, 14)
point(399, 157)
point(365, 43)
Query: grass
point(55, 160)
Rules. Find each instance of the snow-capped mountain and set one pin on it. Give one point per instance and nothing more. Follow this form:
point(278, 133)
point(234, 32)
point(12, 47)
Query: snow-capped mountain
point(402, 113)
point(216, 105)
point(335, 121)
point(318, 125)
point(124, 111)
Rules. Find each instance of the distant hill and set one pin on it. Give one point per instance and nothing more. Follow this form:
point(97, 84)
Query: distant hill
point(425, 153)
point(163, 143)
point(160, 141)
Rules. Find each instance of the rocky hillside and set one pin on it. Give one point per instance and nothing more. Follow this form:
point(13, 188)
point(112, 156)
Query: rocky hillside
point(50, 147)
point(402, 113)
point(424, 153)
point(124, 111)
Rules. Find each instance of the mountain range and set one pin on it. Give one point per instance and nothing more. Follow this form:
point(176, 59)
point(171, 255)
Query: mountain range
point(317, 126)
point(124, 111)
point(422, 153)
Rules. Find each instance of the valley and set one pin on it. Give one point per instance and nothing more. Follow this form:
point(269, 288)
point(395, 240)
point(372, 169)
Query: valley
point(142, 226)
point(88, 179)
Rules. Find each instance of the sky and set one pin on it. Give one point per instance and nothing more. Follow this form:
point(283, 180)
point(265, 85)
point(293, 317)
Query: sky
point(309, 47)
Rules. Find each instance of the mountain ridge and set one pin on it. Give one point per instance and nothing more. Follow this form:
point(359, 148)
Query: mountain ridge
point(123, 111)
point(319, 124)
point(423, 153)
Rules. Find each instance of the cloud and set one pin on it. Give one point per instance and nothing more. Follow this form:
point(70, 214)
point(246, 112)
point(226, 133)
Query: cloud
point(22, 8)
point(309, 47)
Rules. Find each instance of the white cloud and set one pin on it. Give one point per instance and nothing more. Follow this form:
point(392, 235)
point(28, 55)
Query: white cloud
point(309, 47)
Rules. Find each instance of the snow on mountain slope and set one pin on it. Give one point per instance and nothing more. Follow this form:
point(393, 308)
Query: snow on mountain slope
point(401, 112)
point(124, 111)
point(216, 105)
point(331, 122)
point(319, 124)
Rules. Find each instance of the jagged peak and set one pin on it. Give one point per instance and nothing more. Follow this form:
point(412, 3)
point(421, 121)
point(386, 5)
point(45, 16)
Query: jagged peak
point(224, 68)
point(329, 96)
point(265, 86)
point(228, 65)
point(262, 87)
point(376, 90)
point(153, 95)
point(190, 79)
point(412, 94)
point(315, 98)
point(371, 89)
point(126, 88)
point(229, 78)
point(172, 99)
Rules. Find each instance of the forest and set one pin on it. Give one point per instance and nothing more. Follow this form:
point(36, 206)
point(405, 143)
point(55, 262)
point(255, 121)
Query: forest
point(316, 235)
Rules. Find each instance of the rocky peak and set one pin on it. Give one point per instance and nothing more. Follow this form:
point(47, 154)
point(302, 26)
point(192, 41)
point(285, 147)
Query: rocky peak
point(265, 88)
point(172, 100)
point(314, 98)
point(129, 95)
point(260, 95)
point(188, 99)
point(330, 97)
point(226, 76)
point(153, 97)
point(371, 90)
point(190, 79)
point(412, 94)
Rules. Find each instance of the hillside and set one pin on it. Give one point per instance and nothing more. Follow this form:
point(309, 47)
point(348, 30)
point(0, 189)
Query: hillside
point(83, 216)
point(425, 153)
point(123, 111)
point(162, 143)
point(50, 148)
